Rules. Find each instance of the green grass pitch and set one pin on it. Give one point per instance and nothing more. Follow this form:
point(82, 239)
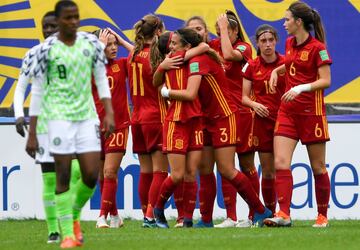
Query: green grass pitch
point(342, 234)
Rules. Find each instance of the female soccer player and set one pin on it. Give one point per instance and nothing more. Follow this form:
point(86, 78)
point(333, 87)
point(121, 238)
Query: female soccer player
point(113, 147)
point(236, 52)
point(183, 123)
point(62, 80)
point(302, 111)
point(265, 102)
point(205, 76)
point(147, 116)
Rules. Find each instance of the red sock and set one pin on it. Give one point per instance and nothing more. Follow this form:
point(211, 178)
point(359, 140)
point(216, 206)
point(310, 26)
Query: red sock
point(229, 194)
point(167, 189)
point(157, 181)
point(207, 194)
point(322, 192)
point(143, 189)
point(284, 187)
point(178, 198)
point(253, 177)
point(101, 182)
point(113, 210)
point(108, 196)
point(190, 193)
point(268, 193)
point(247, 192)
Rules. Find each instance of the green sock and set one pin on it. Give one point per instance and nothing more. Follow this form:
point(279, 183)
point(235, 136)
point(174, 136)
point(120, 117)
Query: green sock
point(83, 194)
point(75, 174)
point(49, 183)
point(64, 213)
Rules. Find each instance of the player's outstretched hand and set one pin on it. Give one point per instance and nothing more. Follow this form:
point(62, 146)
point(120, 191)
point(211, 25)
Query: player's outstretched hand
point(20, 126)
point(32, 145)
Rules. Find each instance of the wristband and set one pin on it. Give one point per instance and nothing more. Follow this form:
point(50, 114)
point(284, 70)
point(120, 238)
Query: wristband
point(165, 92)
point(302, 88)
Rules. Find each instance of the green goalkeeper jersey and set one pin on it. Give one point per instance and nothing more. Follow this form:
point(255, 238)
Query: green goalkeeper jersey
point(66, 73)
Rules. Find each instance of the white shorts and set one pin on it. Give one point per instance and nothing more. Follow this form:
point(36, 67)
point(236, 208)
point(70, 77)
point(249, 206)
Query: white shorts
point(70, 137)
point(43, 154)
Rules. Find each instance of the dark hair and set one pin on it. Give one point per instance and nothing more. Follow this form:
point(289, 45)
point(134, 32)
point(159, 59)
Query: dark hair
point(60, 5)
point(145, 29)
point(262, 29)
point(189, 36)
point(310, 17)
point(235, 24)
point(97, 32)
point(49, 13)
point(159, 49)
point(201, 20)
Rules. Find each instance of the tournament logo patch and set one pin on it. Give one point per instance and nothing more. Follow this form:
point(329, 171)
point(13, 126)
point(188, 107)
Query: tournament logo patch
point(57, 141)
point(194, 67)
point(179, 144)
point(41, 151)
point(242, 48)
point(324, 55)
point(115, 68)
point(304, 56)
point(86, 52)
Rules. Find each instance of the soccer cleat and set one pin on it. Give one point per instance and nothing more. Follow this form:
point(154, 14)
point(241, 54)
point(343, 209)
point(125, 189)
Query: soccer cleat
point(202, 224)
point(258, 220)
point(187, 223)
point(228, 222)
point(77, 232)
point(101, 222)
point(280, 219)
point(116, 221)
point(160, 218)
point(69, 242)
point(53, 238)
point(149, 223)
point(321, 221)
point(179, 223)
point(244, 223)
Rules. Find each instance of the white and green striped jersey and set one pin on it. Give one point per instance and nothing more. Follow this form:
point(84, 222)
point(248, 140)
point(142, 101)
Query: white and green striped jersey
point(63, 76)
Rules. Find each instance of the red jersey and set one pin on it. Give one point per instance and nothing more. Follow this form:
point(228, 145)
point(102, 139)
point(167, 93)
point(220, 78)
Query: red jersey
point(116, 72)
point(302, 63)
point(258, 71)
point(148, 105)
point(181, 110)
point(233, 68)
point(214, 92)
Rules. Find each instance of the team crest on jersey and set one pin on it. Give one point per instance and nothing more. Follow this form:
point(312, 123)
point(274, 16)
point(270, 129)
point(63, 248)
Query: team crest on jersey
point(115, 68)
point(304, 56)
point(86, 52)
point(179, 144)
point(57, 141)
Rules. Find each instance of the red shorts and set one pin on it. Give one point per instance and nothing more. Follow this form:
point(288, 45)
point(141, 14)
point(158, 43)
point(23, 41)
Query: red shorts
point(245, 129)
point(147, 138)
point(182, 137)
point(220, 132)
point(263, 138)
point(307, 128)
point(115, 143)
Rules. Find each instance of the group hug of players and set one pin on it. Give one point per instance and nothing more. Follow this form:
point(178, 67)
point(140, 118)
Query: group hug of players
point(198, 102)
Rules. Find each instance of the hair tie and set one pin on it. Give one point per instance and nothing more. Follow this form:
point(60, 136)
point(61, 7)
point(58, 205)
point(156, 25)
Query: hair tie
point(169, 41)
point(263, 32)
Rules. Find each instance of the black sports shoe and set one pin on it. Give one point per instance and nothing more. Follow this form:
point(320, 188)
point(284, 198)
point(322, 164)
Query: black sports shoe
point(53, 238)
